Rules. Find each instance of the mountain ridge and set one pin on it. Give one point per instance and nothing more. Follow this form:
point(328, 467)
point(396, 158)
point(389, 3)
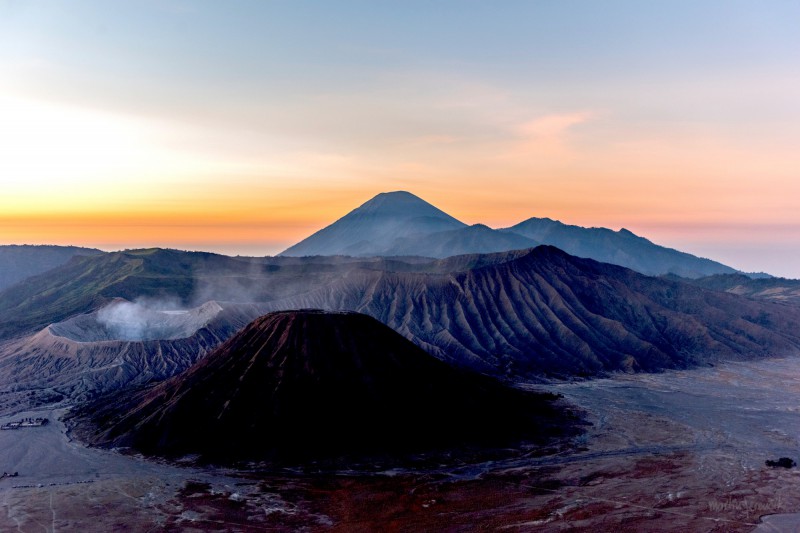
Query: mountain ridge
point(546, 313)
point(18, 262)
point(384, 226)
point(530, 313)
point(623, 248)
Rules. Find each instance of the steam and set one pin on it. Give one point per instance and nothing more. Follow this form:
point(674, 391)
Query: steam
point(147, 319)
point(246, 283)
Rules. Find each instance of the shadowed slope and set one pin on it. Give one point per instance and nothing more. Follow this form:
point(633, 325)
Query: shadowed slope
point(301, 384)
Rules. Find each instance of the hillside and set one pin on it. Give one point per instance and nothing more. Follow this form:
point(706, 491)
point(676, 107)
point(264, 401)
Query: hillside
point(186, 278)
point(18, 262)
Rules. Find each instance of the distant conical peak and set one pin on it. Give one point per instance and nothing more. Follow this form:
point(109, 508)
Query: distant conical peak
point(372, 228)
point(401, 203)
point(401, 195)
point(397, 194)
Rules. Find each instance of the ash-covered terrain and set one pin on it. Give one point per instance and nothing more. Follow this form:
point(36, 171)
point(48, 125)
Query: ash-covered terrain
point(678, 451)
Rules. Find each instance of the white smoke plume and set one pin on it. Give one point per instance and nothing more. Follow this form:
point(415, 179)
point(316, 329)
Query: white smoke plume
point(144, 319)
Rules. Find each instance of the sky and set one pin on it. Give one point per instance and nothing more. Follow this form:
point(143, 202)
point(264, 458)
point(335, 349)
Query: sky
point(242, 127)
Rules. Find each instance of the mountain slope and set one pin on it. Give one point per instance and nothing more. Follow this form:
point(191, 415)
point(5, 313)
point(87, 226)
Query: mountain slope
point(476, 239)
point(20, 262)
point(87, 283)
point(618, 248)
point(189, 279)
point(547, 313)
point(308, 384)
point(372, 228)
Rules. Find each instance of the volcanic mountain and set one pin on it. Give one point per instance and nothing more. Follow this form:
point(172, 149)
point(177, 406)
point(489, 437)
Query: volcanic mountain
point(373, 227)
point(310, 384)
point(401, 224)
point(86, 284)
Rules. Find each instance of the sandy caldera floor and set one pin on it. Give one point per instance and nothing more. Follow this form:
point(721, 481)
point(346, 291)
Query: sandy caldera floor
point(679, 451)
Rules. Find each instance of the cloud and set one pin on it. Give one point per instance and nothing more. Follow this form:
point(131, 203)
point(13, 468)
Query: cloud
point(433, 140)
point(548, 135)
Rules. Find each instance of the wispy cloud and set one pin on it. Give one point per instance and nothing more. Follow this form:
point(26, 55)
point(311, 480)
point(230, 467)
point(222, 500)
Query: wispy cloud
point(548, 135)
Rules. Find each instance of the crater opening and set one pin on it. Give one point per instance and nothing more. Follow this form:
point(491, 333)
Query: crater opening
point(122, 320)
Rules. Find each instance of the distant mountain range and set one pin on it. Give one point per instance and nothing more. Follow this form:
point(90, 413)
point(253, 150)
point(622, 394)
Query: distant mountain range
point(18, 262)
point(309, 384)
point(401, 224)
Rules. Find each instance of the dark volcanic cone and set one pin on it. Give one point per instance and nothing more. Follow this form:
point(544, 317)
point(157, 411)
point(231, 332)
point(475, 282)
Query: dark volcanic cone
point(308, 384)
